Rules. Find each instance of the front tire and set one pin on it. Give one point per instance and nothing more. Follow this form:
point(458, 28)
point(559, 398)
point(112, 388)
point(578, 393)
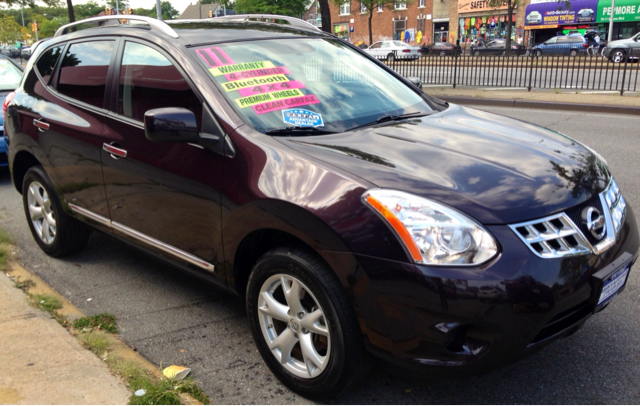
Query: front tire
point(56, 233)
point(573, 53)
point(303, 324)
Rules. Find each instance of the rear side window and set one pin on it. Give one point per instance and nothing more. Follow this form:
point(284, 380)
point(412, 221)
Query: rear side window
point(83, 72)
point(47, 62)
point(149, 81)
point(577, 39)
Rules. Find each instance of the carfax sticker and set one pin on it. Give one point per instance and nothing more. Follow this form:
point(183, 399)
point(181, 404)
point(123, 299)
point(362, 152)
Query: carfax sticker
point(302, 118)
point(271, 106)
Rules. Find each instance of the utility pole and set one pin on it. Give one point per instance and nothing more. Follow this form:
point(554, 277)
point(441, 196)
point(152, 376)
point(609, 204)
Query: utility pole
point(200, 8)
point(613, 7)
point(159, 10)
point(35, 24)
point(22, 14)
point(117, 8)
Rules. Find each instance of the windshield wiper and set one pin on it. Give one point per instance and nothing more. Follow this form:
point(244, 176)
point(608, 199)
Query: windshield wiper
point(299, 131)
point(395, 117)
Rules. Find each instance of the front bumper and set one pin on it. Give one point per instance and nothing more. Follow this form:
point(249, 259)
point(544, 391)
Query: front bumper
point(432, 317)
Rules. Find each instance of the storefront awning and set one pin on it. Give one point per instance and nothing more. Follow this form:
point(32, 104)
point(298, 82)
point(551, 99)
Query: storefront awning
point(626, 10)
point(561, 13)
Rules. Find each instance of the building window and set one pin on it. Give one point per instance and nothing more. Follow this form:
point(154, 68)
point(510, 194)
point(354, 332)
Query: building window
point(363, 8)
point(399, 27)
point(421, 25)
point(345, 9)
point(400, 5)
point(379, 8)
point(421, 4)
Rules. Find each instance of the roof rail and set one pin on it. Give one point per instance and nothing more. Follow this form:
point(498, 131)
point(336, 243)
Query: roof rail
point(156, 25)
point(294, 22)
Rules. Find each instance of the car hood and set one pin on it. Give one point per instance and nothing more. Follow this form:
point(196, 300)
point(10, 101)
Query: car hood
point(496, 169)
point(625, 42)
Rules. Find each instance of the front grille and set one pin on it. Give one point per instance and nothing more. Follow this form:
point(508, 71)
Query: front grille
point(566, 234)
point(552, 237)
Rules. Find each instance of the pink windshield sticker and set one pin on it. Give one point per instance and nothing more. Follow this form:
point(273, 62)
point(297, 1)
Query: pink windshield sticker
point(252, 91)
point(214, 57)
point(276, 105)
point(279, 70)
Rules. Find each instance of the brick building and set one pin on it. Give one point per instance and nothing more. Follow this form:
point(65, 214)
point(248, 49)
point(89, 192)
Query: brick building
point(352, 21)
point(437, 20)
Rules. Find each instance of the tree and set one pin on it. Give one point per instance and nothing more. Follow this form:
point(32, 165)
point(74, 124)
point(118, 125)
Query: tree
point(511, 5)
point(87, 10)
point(9, 30)
point(168, 12)
point(371, 6)
point(294, 8)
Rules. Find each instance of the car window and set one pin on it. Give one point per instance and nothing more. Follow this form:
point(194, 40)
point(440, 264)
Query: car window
point(387, 44)
point(376, 45)
point(563, 40)
point(400, 44)
point(324, 80)
point(148, 80)
point(551, 41)
point(576, 39)
point(438, 44)
point(10, 75)
point(83, 72)
point(47, 62)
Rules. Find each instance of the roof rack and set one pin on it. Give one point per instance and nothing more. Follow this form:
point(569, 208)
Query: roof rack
point(156, 25)
point(294, 22)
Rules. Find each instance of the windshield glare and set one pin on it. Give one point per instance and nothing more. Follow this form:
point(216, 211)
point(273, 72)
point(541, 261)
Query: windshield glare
point(10, 75)
point(317, 83)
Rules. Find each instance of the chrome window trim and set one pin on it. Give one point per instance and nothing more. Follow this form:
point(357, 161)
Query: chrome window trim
point(166, 248)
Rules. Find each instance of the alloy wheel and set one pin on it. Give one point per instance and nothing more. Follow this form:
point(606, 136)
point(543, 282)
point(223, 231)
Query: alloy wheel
point(41, 212)
point(617, 57)
point(294, 326)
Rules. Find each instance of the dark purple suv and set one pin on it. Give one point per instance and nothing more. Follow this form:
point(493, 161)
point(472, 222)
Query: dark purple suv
point(355, 213)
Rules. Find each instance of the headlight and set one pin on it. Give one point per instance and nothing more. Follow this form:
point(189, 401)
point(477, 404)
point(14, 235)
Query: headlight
point(433, 233)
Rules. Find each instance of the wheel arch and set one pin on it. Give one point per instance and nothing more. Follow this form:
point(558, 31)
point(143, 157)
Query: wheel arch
point(22, 162)
point(251, 231)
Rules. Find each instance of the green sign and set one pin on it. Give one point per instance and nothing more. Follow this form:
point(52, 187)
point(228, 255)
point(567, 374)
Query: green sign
point(626, 10)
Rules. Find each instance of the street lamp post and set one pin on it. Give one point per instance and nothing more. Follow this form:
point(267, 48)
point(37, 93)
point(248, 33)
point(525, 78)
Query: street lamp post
point(613, 7)
point(159, 10)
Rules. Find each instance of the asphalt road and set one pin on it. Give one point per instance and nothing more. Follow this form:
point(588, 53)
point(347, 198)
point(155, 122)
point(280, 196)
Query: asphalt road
point(172, 318)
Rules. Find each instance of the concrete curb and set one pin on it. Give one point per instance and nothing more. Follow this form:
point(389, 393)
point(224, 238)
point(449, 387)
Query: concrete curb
point(542, 105)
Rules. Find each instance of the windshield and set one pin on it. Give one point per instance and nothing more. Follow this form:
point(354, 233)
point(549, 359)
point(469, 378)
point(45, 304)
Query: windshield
point(10, 75)
point(315, 83)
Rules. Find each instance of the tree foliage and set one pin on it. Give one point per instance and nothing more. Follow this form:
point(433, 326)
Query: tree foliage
point(9, 30)
point(168, 12)
point(294, 8)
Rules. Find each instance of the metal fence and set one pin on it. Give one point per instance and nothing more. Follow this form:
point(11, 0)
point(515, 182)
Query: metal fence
point(529, 71)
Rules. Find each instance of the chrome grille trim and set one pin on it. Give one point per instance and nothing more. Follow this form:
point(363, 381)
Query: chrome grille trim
point(542, 243)
point(553, 241)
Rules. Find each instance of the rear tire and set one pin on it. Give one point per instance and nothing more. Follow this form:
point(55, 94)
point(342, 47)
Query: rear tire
point(573, 53)
point(303, 324)
point(538, 53)
point(618, 56)
point(56, 233)
point(391, 58)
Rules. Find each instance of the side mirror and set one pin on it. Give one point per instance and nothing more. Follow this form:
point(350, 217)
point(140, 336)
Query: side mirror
point(417, 82)
point(173, 124)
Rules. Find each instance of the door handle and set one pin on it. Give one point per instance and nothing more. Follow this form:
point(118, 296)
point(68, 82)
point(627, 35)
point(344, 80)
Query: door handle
point(42, 125)
point(115, 152)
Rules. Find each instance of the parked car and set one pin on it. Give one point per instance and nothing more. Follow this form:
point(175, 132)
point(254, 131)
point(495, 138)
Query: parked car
point(534, 18)
point(10, 75)
point(25, 52)
point(571, 45)
point(586, 15)
point(623, 49)
point(10, 51)
point(391, 50)
point(441, 49)
point(496, 47)
point(345, 206)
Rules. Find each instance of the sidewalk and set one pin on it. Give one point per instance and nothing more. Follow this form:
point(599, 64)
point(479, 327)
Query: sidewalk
point(597, 101)
point(41, 363)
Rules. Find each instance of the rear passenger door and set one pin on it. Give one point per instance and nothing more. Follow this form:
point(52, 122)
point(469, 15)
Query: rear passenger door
point(67, 118)
point(164, 196)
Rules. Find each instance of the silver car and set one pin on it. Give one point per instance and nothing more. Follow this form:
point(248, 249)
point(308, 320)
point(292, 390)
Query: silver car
point(391, 50)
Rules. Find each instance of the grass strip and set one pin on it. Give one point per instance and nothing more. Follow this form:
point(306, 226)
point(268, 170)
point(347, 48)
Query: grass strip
point(103, 321)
